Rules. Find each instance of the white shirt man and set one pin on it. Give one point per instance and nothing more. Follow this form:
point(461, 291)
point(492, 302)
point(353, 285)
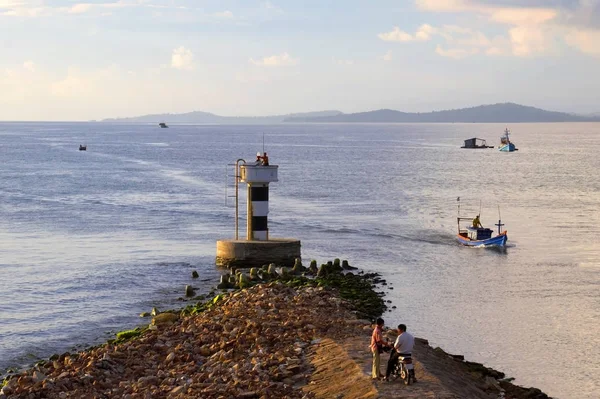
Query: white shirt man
point(404, 343)
point(403, 346)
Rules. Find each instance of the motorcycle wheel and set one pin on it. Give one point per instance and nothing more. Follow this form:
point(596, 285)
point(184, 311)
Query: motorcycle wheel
point(404, 375)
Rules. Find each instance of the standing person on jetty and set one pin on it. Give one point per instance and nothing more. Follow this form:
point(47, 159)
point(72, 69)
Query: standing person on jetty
point(402, 347)
point(377, 344)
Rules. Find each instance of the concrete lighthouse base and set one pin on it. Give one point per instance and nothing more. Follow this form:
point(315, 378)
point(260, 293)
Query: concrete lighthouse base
point(242, 253)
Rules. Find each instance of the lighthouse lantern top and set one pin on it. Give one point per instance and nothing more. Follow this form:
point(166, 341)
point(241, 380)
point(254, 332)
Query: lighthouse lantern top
point(258, 173)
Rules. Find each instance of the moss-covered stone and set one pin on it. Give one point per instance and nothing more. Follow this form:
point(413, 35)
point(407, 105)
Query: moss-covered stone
point(224, 282)
point(129, 334)
point(243, 281)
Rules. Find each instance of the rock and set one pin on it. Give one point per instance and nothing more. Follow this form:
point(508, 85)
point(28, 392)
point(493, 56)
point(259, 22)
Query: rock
point(271, 271)
point(322, 271)
point(177, 390)
point(346, 266)
point(298, 268)
point(251, 343)
point(63, 375)
point(491, 383)
point(313, 269)
point(232, 281)
point(144, 314)
point(336, 264)
point(154, 312)
point(224, 283)
point(195, 274)
point(248, 395)
point(164, 318)
point(189, 291)
point(243, 281)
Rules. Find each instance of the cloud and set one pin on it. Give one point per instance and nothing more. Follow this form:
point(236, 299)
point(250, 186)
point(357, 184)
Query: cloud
point(396, 35)
point(38, 8)
point(343, 62)
point(462, 41)
point(442, 5)
point(283, 59)
point(182, 58)
point(29, 65)
point(73, 85)
point(224, 14)
point(527, 40)
point(424, 33)
point(535, 27)
point(18, 8)
point(269, 6)
point(80, 8)
point(455, 53)
point(586, 41)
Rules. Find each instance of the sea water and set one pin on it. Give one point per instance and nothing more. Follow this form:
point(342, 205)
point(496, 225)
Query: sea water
point(90, 239)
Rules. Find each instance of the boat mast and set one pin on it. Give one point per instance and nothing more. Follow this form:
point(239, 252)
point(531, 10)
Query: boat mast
point(458, 217)
point(499, 224)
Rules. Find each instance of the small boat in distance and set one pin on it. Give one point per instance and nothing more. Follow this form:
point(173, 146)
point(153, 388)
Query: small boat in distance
point(475, 235)
point(476, 143)
point(505, 144)
point(163, 125)
point(82, 147)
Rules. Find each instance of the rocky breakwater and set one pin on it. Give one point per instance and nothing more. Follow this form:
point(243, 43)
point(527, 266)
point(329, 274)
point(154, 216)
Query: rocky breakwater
point(295, 337)
point(251, 343)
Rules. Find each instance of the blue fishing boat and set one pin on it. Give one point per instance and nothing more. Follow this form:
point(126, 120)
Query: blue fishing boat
point(505, 144)
point(475, 235)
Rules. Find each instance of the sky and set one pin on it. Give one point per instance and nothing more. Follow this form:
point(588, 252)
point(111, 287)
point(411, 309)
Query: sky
point(71, 60)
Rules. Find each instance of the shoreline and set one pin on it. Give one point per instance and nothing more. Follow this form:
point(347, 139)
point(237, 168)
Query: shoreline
point(291, 337)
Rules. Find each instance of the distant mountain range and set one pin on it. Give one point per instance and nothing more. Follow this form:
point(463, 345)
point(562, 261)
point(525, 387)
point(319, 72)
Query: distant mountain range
point(495, 113)
point(208, 118)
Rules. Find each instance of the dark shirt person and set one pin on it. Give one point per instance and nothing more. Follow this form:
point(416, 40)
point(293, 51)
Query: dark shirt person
point(265, 159)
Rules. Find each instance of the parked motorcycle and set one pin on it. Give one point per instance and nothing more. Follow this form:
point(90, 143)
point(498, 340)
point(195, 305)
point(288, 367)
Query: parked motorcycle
point(405, 369)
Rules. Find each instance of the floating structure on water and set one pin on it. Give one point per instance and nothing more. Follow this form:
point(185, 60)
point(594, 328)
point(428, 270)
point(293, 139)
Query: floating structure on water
point(476, 142)
point(475, 235)
point(505, 143)
point(82, 147)
point(163, 125)
point(258, 248)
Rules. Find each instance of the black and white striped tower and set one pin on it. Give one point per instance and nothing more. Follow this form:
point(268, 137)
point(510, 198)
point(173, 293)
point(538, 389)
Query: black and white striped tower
point(259, 247)
point(258, 211)
point(258, 178)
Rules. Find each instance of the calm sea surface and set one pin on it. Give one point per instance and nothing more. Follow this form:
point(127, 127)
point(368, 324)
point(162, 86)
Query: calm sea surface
point(88, 240)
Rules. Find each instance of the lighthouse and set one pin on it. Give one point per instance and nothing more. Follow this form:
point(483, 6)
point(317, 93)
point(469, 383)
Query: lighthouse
point(259, 247)
point(258, 177)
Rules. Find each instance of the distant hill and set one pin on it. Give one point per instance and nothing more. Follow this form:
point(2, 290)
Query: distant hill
point(496, 113)
point(208, 118)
